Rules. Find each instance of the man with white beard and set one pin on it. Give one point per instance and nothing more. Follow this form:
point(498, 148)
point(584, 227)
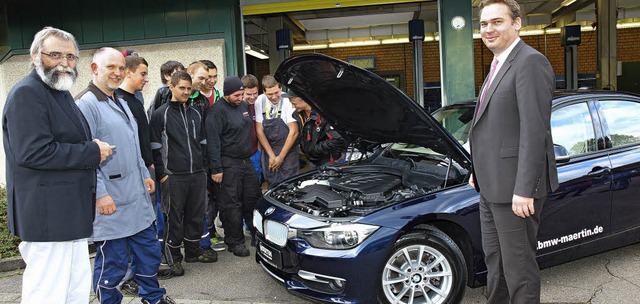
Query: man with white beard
point(51, 163)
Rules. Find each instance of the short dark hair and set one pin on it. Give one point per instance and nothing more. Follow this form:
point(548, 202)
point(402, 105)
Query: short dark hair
point(132, 62)
point(249, 81)
point(209, 64)
point(513, 6)
point(180, 75)
point(168, 67)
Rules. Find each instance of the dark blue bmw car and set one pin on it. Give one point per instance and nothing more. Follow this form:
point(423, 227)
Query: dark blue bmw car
point(398, 222)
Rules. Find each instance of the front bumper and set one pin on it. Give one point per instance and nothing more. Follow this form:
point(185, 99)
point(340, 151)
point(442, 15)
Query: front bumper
point(331, 276)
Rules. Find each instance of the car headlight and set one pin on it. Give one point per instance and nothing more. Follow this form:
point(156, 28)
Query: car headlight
point(257, 221)
point(337, 236)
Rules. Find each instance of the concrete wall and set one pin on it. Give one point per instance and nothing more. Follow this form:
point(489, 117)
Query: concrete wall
point(14, 69)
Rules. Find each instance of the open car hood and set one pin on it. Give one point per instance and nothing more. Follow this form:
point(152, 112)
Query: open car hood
point(362, 106)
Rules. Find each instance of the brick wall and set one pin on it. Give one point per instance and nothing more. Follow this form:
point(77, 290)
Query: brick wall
point(398, 57)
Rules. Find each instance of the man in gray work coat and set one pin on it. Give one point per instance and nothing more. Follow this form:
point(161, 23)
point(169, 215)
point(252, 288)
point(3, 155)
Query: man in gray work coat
point(124, 219)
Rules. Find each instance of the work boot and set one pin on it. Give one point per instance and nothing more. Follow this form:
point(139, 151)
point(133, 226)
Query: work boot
point(206, 256)
point(239, 250)
point(177, 269)
point(164, 272)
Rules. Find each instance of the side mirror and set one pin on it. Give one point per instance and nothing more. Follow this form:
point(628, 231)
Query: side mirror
point(561, 153)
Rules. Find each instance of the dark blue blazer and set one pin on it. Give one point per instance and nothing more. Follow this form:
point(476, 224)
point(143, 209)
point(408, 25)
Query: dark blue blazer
point(50, 163)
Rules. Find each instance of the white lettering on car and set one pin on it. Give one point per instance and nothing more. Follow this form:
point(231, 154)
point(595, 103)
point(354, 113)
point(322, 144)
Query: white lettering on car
point(570, 237)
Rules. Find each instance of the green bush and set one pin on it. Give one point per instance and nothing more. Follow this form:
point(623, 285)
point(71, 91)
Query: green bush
point(8, 243)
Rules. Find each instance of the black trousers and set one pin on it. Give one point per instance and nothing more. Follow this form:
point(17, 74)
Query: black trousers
point(509, 244)
point(212, 208)
point(238, 194)
point(185, 213)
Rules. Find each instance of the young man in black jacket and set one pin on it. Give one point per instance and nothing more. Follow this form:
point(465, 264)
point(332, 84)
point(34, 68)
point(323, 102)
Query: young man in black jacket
point(228, 127)
point(176, 140)
point(319, 142)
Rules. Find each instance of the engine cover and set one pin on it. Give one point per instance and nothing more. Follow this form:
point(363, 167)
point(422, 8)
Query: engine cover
point(369, 184)
point(320, 194)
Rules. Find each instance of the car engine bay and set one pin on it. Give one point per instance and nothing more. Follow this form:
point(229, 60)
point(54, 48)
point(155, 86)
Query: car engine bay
point(334, 191)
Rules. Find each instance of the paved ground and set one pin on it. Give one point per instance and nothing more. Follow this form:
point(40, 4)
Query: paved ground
point(611, 277)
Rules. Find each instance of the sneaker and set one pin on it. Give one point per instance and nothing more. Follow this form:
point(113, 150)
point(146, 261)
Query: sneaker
point(177, 269)
point(130, 287)
point(218, 238)
point(207, 256)
point(253, 240)
point(239, 250)
point(164, 300)
point(217, 246)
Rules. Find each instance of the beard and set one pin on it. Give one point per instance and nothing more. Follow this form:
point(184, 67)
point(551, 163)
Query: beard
point(60, 82)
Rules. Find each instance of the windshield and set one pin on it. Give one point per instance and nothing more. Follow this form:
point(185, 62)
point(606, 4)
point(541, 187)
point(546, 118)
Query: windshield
point(457, 121)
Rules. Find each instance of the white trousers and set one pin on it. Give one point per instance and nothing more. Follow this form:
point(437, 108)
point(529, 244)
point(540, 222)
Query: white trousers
point(57, 272)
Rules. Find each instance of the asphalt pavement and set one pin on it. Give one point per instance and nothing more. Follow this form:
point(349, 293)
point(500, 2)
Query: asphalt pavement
point(610, 277)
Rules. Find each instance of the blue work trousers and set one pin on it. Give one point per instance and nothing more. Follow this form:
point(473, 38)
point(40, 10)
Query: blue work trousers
point(111, 263)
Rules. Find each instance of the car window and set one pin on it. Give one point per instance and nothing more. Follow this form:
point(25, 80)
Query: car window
point(457, 121)
point(623, 120)
point(572, 130)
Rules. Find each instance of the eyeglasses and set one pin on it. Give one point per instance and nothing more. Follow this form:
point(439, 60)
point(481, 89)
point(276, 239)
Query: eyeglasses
point(59, 56)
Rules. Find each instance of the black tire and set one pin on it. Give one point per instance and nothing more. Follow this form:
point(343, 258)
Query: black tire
point(406, 278)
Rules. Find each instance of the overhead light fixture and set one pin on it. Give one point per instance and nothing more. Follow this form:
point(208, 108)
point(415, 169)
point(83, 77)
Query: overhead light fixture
point(395, 40)
point(628, 25)
point(255, 52)
point(587, 29)
point(532, 33)
point(304, 47)
point(553, 30)
point(354, 43)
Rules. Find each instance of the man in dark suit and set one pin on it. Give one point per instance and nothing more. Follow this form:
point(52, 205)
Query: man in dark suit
point(51, 162)
point(512, 151)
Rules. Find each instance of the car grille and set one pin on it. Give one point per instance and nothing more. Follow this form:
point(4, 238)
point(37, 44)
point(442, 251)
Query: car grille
point(276, 232)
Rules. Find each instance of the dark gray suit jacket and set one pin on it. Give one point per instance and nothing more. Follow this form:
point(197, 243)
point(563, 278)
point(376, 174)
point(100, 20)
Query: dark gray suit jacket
point(51, 164)
point(511, 144)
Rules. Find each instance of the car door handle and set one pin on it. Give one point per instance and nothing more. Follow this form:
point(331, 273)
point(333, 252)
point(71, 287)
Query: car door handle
point(599, 172)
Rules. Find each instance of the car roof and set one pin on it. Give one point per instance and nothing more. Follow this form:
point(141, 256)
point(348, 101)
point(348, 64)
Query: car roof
point(559, 95)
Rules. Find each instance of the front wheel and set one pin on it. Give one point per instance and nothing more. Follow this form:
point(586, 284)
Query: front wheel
point(425, 266)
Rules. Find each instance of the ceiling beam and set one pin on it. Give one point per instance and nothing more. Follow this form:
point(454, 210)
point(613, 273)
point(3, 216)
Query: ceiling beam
point(570, 11)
